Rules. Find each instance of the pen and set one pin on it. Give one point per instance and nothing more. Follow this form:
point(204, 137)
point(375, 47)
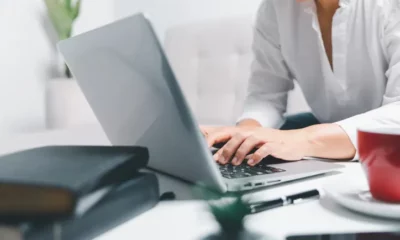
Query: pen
point(283, 201)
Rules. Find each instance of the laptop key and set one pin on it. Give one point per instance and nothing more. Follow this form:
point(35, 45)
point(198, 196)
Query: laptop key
point(240, 176)
point(244, 170)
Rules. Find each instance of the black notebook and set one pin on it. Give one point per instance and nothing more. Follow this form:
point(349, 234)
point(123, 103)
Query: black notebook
point(54, 182)
point(123, 203)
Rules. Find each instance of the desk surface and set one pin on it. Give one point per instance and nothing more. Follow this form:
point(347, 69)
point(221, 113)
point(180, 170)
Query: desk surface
point(190, 219)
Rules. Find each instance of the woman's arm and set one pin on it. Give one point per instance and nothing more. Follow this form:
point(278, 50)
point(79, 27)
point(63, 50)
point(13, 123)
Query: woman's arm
point(270, 80)
point(328, 141)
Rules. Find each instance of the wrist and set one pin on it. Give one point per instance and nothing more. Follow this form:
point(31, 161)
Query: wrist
point(305, 138)
point(310, 140)
point(249, 123)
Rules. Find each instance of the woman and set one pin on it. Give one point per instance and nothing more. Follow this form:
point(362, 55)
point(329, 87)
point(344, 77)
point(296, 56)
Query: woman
point(345, 54)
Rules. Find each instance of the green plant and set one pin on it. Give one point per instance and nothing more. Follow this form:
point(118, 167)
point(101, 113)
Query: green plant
point(229, 210)
point(63, 14)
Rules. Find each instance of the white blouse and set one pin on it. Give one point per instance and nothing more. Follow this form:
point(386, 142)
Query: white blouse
point(363, 90)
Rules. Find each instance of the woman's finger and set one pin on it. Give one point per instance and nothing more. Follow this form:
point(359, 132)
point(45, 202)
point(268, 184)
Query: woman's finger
point(263, 152)
point(230, 148)
point(217, 137)
point(245, 148)
point(217, 155)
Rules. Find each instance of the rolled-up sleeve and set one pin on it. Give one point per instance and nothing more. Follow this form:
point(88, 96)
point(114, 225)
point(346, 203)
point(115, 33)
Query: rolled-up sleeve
point(270, 80)
point(387, 116)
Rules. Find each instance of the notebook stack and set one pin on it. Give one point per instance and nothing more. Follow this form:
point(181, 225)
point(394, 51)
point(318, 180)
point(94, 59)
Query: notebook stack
point(74, 192)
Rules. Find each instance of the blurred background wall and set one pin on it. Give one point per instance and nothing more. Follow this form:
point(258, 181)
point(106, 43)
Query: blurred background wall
point(28, 57)
point(167, 13)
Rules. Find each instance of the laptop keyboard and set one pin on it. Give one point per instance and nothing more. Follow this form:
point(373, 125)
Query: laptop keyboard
point(244, 170)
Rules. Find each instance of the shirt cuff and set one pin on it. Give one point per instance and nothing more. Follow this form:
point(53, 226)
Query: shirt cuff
point(268, 116)
point(350, 127)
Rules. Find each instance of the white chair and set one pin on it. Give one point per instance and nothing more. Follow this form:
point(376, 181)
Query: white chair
point(212, 60)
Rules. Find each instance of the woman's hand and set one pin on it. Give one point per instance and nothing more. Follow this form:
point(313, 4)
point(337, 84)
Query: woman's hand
point(220, 135)
point(287, 145)
point(321, 140)
point(216, 136)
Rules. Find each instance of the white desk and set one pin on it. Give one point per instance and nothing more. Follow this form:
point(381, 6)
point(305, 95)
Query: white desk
point(190, 219)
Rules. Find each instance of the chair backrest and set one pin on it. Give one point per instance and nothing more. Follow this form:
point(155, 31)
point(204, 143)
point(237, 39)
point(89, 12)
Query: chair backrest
point(212, 62)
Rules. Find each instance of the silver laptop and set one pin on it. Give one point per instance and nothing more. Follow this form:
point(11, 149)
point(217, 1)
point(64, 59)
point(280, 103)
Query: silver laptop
point(127, 80)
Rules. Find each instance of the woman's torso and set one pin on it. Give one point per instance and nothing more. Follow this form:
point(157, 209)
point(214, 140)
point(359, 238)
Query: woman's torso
point(357, 82)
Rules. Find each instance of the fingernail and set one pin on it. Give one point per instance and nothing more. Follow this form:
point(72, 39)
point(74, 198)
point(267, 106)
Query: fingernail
point(221, 159)
point(234, 160)
point(251, 162)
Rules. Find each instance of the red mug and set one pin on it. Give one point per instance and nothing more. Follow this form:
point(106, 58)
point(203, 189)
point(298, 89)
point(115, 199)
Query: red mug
point(379, 151)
